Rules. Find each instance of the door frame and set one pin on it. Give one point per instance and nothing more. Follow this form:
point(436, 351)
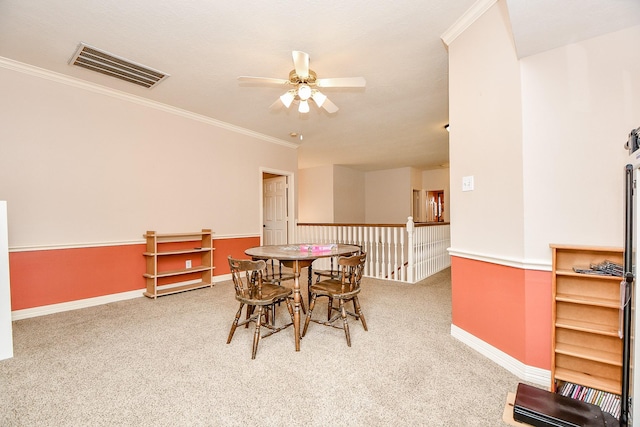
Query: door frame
point(291, 218)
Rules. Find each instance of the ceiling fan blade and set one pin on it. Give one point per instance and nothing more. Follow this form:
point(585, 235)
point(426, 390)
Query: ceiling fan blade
point(267, 80)
point(329, 106)
point(318, 97)
point(301, 63)
point(342, 82)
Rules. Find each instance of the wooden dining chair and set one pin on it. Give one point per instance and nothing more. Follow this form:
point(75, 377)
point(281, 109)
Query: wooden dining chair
point(344, 289)
point(332, 273)
point(274, 275)
point(273, 272)
point(259, 298)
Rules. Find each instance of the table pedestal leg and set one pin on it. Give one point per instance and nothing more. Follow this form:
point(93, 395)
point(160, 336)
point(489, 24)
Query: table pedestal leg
point(296, 303)
point(297, 267)
point(310, 282)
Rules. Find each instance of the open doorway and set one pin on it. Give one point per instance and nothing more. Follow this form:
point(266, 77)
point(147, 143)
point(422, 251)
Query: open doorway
point(417, 217)
point(277, 207)
point(435, 206)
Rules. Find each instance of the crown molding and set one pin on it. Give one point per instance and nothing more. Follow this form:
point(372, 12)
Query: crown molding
point(468, 18)
point(81, 84)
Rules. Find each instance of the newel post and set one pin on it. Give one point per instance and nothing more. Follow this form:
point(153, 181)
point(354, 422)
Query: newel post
point(296, 232)
point(410, 263)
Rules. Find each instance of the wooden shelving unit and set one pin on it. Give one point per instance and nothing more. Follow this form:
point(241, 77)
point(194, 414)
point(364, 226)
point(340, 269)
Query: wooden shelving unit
point(586, 319)
point(178, 262)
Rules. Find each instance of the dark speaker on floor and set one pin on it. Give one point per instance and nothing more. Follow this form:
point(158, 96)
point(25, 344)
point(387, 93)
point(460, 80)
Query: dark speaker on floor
point(542, 408)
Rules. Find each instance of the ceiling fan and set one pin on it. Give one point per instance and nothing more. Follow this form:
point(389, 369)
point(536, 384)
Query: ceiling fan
point(305, 84)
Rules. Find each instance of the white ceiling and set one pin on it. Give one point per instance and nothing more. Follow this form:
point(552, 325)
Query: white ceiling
point(397, 120)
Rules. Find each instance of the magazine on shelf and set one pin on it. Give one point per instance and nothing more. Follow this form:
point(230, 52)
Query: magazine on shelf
point(319, 248)
point(606, 268)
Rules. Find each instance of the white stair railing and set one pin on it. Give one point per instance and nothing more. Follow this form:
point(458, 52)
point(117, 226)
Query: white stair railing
point(424, 254)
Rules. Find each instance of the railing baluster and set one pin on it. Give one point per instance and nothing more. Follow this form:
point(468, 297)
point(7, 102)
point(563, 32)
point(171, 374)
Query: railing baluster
point(403, 269)
point(396, 272)
point(377, 241)
point(372, 253)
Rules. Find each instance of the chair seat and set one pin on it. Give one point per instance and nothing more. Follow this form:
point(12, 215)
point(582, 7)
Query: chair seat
point(332, 288)
point(332, 274)
point(278, 278)
point(270, 294)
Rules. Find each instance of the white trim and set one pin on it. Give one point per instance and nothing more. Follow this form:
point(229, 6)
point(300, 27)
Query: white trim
point(93, 87)
point(465, 21)
point(222, 278)
point(6, 328)
point(74, 246)
point(527, 373)
point(236, 236)
point(114, 243)
point(74, 305)
point(525, 264)
point(88, 302)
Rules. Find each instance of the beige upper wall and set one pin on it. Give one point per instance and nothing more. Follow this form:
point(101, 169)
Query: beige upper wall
point(79, 166)
point(485, 139)
point(580, 102)
point(388, 196)
point(379, 197)
point(542, 137)
point(349, 195)
point(315, 195)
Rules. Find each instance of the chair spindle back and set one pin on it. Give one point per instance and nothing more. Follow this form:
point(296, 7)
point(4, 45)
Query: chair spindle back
point(249, 286)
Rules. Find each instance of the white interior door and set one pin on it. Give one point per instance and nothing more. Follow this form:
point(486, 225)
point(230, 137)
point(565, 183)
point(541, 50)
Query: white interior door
point(275, 215)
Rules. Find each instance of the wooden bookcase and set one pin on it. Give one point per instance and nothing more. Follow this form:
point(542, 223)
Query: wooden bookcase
point(178, 262)
point(586, 348)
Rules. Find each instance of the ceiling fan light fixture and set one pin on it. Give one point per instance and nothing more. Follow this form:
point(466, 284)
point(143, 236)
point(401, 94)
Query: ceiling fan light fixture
point(318, 97)
point(303, 82)
point(304, 92)
point(287, 98)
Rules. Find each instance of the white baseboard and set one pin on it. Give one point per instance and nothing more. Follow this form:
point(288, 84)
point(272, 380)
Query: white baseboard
point(74, 305)
point(527, 373)
point(87, 302)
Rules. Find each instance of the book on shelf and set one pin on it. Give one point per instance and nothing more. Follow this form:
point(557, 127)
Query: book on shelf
point(608, 402)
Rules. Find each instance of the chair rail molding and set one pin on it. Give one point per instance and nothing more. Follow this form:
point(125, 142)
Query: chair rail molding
point(522, 263)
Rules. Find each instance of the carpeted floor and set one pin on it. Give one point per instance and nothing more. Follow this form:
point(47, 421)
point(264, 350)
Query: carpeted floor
point(166, 363)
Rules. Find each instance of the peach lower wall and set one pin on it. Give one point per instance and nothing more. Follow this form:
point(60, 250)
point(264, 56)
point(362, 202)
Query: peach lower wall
point(44, 277)
point(508, 308)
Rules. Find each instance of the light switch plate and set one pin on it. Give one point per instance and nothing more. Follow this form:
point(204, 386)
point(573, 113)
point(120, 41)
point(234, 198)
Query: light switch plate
point(467, 183)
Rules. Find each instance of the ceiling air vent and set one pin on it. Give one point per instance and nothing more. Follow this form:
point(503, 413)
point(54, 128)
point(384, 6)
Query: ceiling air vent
point(107, 63)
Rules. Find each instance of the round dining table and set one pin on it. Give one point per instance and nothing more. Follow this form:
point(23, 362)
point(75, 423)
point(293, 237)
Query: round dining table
point(297, 257)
